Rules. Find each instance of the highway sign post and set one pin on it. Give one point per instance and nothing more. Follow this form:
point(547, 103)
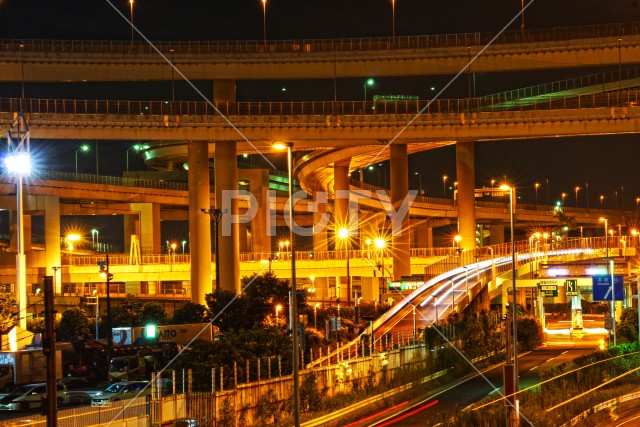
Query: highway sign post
point(549, 290)
point(603, 291)
point(571, 287)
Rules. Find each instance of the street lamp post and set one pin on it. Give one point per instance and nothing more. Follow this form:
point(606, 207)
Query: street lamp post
point(83, 149)
point(18, 164)
point(577, 189)
point(94, 239)
point(278, 308)
point(513, 280)
point(294, 304)
point(344, 235)
point(136, 148)
point(315, 319)
point(216, 215)
point(536, 186)
point(367, 82)
point(184, 242)
point(264, 21)
point(380, 245)
point(393, 20)
point(131, 14)
point(444, 185)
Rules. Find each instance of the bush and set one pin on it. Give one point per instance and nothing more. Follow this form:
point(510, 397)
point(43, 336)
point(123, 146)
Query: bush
point(530, 334)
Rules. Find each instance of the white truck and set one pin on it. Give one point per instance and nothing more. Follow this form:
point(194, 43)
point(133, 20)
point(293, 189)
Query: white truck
point(179, 334)
point(25, 367)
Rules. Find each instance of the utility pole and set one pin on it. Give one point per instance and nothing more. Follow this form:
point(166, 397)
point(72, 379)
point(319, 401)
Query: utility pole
point(216, 215)
point(104, 272)
point(49, 350)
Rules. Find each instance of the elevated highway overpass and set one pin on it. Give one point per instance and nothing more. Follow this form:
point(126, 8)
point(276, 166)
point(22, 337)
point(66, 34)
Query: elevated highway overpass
point(82, 60)
point(343, 136)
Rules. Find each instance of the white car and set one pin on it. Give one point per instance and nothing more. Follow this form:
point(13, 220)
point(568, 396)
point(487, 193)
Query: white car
point(121, 391)
point(31, 396)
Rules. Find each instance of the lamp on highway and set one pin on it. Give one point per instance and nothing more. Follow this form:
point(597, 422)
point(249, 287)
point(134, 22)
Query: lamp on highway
point(278, 308)
point(577, 189)
point(18, 163)
point(512, 409)
point(343, 234)
point(136, 148)
point(444, 185)
point(536, 186)
point(368, 82)
point(82, 149)
point(381, 244)
point(264, 21)
point(94, 239)
point(131, 15)
point(184, 242)
point(294, 305)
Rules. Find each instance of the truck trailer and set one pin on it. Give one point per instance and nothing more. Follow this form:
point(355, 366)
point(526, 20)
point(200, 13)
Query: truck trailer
point(25, 367)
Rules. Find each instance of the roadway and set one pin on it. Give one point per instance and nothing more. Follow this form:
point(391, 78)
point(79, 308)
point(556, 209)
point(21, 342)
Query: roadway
point(428, 409)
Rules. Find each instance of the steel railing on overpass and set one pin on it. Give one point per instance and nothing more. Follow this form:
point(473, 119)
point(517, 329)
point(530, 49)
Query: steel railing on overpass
point(485, 264)
point(311, 108)
point(302, 46)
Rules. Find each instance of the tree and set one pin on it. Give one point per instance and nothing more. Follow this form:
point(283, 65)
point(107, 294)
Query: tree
point(251, 307)
point(74, 324)
point(8, 316)
point(128, 313)
point(189, 313)
point(627, 327)
point(153, 313)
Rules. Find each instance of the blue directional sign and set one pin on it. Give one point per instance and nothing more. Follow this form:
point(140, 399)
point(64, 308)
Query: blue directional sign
point(602, 288)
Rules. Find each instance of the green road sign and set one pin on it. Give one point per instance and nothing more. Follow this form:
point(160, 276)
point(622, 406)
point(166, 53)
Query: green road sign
point(572, 287)
point(549, 290)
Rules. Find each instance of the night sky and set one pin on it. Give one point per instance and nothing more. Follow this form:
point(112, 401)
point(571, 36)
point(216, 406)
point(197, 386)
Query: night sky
point(607, 163)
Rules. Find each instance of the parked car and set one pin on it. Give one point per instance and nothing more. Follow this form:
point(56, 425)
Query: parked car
point(122, 391)
point(31, 396)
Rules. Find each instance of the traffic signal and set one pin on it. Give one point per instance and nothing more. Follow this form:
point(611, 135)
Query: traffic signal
point(104, 270)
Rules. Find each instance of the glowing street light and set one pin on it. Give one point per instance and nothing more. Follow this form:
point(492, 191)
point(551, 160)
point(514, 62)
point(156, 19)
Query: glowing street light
point(264, 21)
point(368, 82)
point(71, 239)
point(83, 149)
point(184, 242)
point(381, 244)
point(131, 14)
point(601, 199)
point(393, 19)
point(278, 309)
point(343, 234)
point(563, 196)
point(511, 191)
point(293, 306)
point(136, 148)
point(315, 319)
point(444, 185)
point(577, 189)
point(18, 163)
point(94, 239)
point(536, 186)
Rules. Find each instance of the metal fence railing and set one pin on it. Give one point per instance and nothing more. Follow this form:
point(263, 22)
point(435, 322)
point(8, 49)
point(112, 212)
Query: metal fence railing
point(309, 46)
point(118, 110)
point(83, 416)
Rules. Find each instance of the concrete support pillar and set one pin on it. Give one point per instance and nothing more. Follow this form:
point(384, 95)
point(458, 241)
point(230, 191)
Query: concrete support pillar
point(199, 223)
point(496, 234)
point(423, 235)
point(52, 239)
point(465, 173)
point(401, 241)
point(259, 186)
point(244, 238)
point(341, 208)
point(320, 237)
point(224, 90)
point(226, 170)
point(145, 223)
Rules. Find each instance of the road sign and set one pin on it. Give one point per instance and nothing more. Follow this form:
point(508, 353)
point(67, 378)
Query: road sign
point(602, 288)
point(549, 290)
point(572, 287)
point(608, 323)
